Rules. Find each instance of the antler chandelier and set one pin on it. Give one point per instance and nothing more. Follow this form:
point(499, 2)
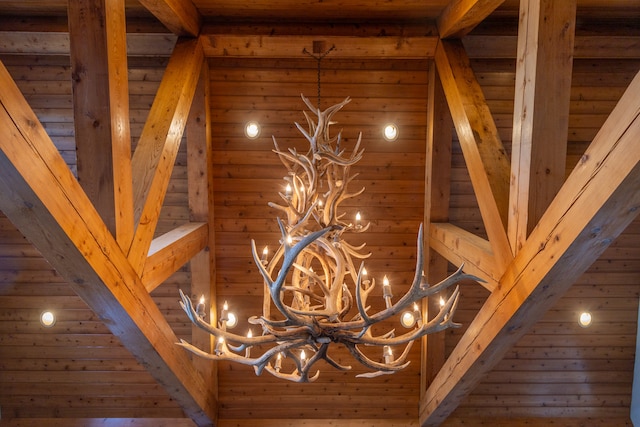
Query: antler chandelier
point(319, 296)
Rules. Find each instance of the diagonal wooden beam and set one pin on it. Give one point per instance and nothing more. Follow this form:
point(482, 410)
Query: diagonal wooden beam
point(482, 148)
point(172, 250)
point(159, 142)
point(181, 17)
point(541, 111)
point(460, 246)
point(598, 200)
point(42, 198)
point(97, 38)
point(462, 16)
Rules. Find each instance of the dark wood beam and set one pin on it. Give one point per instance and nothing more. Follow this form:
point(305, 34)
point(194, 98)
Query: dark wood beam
point(200, 178)
point(482, 147)
point(462, 16)
point(159, 142)
point(181, 17)
point(596, 203)
point(541, 112)
point(98, 51)
point(437, 188)
point(42, 198)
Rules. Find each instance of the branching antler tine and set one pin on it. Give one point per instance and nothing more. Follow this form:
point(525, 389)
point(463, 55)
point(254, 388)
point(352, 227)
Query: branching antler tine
point(310, 105)
point(261, 267)
point(361, 296)
point(444, 284)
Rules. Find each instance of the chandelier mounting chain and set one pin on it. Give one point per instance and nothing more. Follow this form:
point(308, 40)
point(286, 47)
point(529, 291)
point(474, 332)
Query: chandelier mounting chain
point(318, 296)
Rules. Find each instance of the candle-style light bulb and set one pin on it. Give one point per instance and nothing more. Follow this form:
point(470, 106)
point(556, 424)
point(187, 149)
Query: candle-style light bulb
point(278, 364)
point(200, 311)
point(289, 240)
point(386, 291)
point(417, 314)
point(223, 315)
point(358, 219)
point(388, 354)
point(287, 191)
point(303, 358)
point(247, 351)
point(265, 252)
point(442, 302)
point(220, 346)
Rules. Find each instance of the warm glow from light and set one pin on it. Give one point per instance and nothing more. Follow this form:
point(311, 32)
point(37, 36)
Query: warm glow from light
point(585, 319)
point(385, 281)
point(407, 320)
point(358, 217)
point(442, 302)
point(249, 334)
point(364, 271)
point(48, 319)
point(201, 299)
point(225, 306)
point(287, 190)
point(289, 240)
point(390, 132)
point(265, 251)
point(303, 356)
point(233, 320)
point(252, 130)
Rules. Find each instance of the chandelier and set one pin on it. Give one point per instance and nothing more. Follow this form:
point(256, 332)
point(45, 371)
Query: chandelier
point(315, 296)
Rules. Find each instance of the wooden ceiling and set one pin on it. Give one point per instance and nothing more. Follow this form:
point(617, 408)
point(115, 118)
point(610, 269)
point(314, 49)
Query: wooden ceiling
point(488, 137)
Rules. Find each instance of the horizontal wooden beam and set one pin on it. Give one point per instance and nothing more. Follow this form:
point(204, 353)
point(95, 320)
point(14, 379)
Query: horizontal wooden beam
point(597, 202)
point(42, 198)
point(172, 250)
point(460, 246)
point(287, 46)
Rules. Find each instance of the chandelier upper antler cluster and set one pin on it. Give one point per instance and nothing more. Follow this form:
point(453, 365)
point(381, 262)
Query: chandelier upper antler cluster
point(312, 282)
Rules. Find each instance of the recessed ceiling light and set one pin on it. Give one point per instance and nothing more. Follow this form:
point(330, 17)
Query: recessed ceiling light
point(585, 319)
point(252, 130)
point(48, 319)
point(390, 132)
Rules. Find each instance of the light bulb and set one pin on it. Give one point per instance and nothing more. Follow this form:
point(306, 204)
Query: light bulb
point(48, 319)
point(390, 132)
point(252, 130)
point(585, 319)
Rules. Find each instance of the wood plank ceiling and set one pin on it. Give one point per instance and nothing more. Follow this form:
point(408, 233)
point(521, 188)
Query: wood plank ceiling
point(116, 192)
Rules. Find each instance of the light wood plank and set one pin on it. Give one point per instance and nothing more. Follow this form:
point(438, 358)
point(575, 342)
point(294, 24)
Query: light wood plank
point(598, 200)
point(98, 422)
point(157, 148)
point(181, 17)
point(462, 16)
point(45, 202)
point(541, 112)
point(484, 153)
point(97, 32)
point(172, 250)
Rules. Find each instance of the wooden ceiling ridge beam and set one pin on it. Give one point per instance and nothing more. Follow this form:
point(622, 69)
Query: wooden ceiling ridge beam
point(597, 202)
point(155, 155)
point(43, 199)
point(181, 17)
point(484, 154)
point(462, 16)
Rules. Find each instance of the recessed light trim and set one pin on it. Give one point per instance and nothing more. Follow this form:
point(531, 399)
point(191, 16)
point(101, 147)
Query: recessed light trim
point(47, 319)
point(252, 130)
point(390, 132)
point(585, 319)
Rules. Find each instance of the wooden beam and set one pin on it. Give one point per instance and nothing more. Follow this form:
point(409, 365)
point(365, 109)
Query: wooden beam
point(159, 142)
point(541, 112)
point(200, 179)
point(181, 17)
point(42, 198)
point(462, 16)
point(172, 250)
point(460, 246)
point(97, 33)
point(596, 203)
point(287, 46)
point(437, 194)
point(482, 148)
